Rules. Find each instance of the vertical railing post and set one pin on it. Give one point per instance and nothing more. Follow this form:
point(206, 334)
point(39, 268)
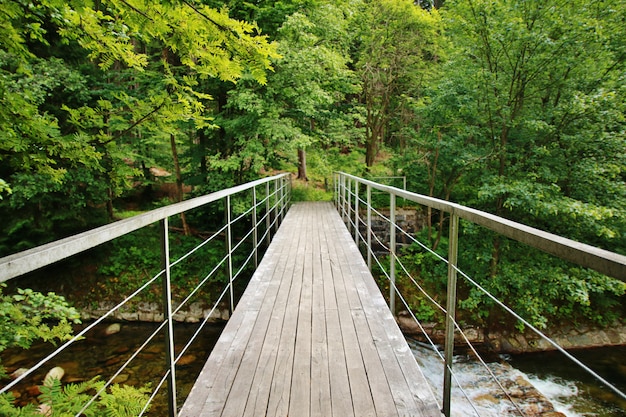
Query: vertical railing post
point(229, 243)
point(255, 229)
point(279, 183)
point(356, 213)
point(336, 189)
point(283, 193)
point(275, 207)
point(349, 203)
point(450, 310)
point(339, 191)
point(288, 187)
point(168, 316)
point(343, 197)
point(392, 253)
point(268, 215)
point(369, 227)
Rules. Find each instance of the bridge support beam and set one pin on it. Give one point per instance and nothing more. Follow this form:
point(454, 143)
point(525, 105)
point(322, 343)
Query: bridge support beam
point(168, 316)
point(229, 243)
point(450, 310)
point(369, 228)
point(392, 253)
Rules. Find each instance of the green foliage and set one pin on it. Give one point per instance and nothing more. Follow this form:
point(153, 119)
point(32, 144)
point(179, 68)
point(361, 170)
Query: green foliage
point(544, 290)
point(525, 119)
point(30, 315)
point(68, 400)
point(4, 188)
point(89, 93)
point(307, 101)
point(398, 45)
point(308, 192)
point(135, 258)
point(513, 108)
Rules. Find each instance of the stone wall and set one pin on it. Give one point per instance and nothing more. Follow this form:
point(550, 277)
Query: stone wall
point(568, 337)
point(410, 220)
point(153, 312)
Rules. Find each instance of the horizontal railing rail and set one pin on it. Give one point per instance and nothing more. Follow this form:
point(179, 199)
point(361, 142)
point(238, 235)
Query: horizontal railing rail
point(353, 196)
point(27, 261)
point(268, 201)
point(603, 261)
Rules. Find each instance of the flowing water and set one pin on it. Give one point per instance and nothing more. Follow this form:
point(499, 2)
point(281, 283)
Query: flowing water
point(570, 390)
point(103, 355)
point(566, 387)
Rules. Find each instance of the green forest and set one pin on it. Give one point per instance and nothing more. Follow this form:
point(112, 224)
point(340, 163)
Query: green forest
point(514, 108)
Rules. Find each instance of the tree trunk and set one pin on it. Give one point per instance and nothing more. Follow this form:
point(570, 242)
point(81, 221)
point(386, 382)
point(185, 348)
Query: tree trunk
point(202, 150)
point(302, 164)
point(432, 175)
point(109, 203)
point(179, 184)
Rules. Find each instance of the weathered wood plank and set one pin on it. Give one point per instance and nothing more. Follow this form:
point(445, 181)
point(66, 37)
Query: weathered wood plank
point(300, 396)
point(264, 371)
point(258, 398)
point(320, 374)
point(280, 387)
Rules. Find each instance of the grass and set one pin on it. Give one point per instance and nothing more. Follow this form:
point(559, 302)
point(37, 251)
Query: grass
point(309, 191)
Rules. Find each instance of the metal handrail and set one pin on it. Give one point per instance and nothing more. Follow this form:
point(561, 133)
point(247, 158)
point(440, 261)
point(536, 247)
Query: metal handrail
point(274, 203)
point(27, 261)
point(603, 261)
point(347, 200)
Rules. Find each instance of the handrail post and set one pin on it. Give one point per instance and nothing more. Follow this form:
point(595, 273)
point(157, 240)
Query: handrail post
point(343, 198)
point(450, 309)
point(336, 189)
point(268, 215)
point(168, 316)
point(285, 196)
point(369, 227)
point(392, 253)
point(229, 243)
point(281, 204)
point(356, 213)
point(275, 208)
point(255, 231)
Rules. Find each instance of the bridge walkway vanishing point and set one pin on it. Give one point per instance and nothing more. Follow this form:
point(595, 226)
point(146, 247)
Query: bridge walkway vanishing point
point(311, 335)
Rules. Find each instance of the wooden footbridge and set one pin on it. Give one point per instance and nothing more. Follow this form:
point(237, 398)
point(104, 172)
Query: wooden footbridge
point(311, 336)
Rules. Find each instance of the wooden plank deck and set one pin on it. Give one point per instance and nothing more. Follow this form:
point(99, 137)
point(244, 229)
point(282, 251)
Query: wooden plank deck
point(311, 336)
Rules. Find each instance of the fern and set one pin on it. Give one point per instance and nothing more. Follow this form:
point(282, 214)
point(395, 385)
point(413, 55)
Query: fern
point(69, 400)
point(21, 322)
point(124, 400)
point(7, 409)
point(66, 400)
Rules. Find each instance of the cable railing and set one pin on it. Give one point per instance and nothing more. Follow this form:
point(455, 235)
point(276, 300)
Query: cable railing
point(353, 199)
point(265, 204)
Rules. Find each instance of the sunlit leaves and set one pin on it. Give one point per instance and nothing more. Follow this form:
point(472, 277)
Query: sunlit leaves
point(399, 44)
point(205, 39)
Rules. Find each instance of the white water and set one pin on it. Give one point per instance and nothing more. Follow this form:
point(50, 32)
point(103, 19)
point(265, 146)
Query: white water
point(562, 393)
point(488, 398)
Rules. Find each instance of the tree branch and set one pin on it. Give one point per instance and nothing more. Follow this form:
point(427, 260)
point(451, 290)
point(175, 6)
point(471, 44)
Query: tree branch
point(128, 129)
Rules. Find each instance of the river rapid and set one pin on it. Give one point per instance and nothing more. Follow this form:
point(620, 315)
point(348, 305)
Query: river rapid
point(566, 387)
point(571, 391)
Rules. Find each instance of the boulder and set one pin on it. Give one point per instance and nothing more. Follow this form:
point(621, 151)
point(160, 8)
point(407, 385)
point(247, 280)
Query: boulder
point(18, 373)
point(112, 329)
point(55, 373)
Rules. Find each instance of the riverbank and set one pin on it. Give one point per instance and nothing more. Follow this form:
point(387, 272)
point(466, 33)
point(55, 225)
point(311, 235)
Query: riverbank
point(153, 312)
point(568, 336)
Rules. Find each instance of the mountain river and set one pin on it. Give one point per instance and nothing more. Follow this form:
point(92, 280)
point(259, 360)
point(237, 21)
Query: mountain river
point(571, 391)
